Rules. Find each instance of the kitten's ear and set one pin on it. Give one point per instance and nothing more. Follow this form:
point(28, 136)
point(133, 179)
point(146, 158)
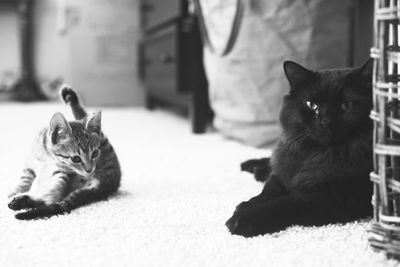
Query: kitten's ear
point(59, 128)
point(365, 70)
point(296, 74)
point(93, 122)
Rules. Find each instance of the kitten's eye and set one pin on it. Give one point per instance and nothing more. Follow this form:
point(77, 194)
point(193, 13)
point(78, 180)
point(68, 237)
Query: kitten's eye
point(311, 105)
point(95, 154)
point(76, 159)
point(346, 105)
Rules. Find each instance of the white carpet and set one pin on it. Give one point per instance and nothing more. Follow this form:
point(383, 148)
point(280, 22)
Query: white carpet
point(177, 191)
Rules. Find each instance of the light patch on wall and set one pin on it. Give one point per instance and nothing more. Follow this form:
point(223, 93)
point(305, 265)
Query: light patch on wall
point(114, 49)
point(103, 52)
point(93, 48)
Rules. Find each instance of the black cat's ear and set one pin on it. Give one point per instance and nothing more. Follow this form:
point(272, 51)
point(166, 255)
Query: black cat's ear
point(365, 70)
point(59, 128)
point(93, 122)
point(296, 74)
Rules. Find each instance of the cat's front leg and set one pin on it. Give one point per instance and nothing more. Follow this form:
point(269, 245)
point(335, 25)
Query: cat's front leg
point(55, 192)
point(256, 219)
point(277, 214)
point(273, 188)
point(25, 182)
point(58, 188)
point(18, 197)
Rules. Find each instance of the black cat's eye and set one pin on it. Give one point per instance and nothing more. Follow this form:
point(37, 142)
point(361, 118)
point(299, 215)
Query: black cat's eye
point(76, 159)
point(311, 105)
point(95, 154)
point(346, 105)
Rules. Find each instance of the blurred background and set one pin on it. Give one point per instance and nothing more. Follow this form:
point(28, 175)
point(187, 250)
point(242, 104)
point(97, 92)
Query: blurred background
point(219, 62)
point(89, 44)
point(177, 81)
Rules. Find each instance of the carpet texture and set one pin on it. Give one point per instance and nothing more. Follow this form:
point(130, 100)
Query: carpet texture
point(177, 191)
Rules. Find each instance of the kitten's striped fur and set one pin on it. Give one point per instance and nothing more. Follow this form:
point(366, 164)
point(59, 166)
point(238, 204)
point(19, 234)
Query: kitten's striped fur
point(71, 164)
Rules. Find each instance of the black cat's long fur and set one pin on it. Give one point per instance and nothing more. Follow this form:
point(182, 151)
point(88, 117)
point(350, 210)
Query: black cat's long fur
point(319, 171)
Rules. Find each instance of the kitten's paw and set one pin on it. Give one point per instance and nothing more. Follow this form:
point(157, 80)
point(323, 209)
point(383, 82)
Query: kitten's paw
point(68, 95)
point(22, 202)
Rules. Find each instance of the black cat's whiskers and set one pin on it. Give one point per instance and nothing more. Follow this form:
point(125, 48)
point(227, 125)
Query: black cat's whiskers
point(299, 137)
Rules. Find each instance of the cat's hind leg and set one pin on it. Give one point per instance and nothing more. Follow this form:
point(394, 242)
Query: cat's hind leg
point(24, 201)
point(74, 200)
point(70, 97)
point(315, 209)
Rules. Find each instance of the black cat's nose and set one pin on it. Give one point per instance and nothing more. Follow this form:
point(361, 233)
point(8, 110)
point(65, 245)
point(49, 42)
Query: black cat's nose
point(324, 122)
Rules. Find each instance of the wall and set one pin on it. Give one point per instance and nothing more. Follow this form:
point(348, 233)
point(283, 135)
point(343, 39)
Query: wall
point(103, 49)
point(51, 48)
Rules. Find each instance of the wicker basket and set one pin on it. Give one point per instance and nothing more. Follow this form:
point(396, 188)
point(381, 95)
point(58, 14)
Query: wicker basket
point(384, 232)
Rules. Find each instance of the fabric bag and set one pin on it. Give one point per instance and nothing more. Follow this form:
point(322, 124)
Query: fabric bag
point(244, 64)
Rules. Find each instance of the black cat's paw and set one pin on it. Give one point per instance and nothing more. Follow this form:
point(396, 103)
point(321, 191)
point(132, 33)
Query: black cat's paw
point(242, 223)
point(251, 164)
point(245, 220)
point(21, 202)
point(68, 95)
point(259, 167)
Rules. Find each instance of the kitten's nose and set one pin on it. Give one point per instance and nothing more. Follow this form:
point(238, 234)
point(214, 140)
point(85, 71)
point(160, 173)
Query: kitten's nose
point(88, 169)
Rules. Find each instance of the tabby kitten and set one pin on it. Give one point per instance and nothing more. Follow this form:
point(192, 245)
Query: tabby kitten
point(319, 172)
point(71, 164)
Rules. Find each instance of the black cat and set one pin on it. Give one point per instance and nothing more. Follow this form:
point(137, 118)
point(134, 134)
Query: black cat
point(319, 171)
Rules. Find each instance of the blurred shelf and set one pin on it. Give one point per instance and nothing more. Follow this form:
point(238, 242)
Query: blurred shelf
point(172, 60)
point(6, 96)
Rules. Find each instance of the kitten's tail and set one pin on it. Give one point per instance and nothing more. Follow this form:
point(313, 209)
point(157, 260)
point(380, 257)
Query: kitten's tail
point(261, 168)
point(70, 97)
